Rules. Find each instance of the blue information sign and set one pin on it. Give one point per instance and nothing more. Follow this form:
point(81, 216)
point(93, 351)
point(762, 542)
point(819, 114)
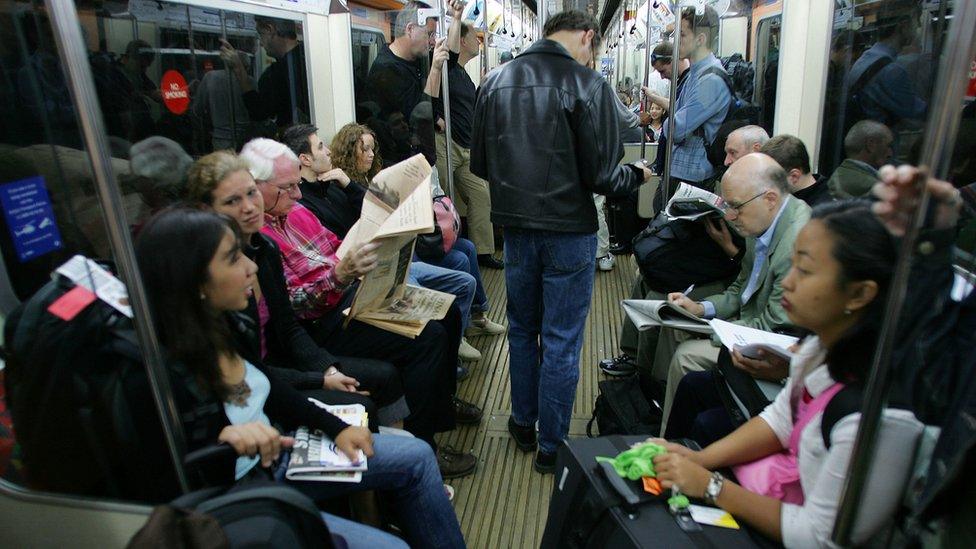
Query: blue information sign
point(27, 207)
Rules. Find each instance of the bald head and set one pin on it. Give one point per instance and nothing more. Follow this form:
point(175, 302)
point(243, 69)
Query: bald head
point(754, 188)
point(745, 140)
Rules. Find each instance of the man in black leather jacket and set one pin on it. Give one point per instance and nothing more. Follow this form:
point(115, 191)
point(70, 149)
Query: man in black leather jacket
point(546, 136)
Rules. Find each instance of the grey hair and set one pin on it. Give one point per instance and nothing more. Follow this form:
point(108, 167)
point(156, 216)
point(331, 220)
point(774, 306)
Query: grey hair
point(861, 133)
point(406, 16)
point(162, 161)
point(260, 155)
point(752, 135)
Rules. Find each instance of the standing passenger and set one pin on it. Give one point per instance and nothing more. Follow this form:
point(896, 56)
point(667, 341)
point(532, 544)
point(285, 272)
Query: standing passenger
point(546, 136)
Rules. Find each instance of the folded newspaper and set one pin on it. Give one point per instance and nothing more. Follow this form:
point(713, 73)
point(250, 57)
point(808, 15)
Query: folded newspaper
point(650, 313)
point(316, 457)
point(396, 209)
point(749, 341)
point(690, 202)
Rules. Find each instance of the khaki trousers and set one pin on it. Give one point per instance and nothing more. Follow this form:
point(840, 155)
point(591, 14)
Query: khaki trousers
point(470, 194)
point(680, 354)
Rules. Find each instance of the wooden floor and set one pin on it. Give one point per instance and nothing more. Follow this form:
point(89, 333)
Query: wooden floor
point(505, 502)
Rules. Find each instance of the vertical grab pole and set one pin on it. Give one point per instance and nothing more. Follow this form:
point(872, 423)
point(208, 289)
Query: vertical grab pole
point(74, 60)
point(675, 62)
point(937, 149)
point(647, 73)
point(231, 79)
point(446, 98)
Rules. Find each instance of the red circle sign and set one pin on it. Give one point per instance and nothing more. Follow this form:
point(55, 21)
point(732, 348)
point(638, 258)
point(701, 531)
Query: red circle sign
point(176, 94)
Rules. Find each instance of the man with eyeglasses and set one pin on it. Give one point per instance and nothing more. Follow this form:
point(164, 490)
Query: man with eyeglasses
point(759, 207)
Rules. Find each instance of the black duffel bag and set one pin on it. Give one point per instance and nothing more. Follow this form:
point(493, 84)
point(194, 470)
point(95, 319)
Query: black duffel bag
point(622, 409)
point(672, 254)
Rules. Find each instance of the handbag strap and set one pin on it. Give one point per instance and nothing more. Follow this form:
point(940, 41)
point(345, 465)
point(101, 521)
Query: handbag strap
point(808, 412)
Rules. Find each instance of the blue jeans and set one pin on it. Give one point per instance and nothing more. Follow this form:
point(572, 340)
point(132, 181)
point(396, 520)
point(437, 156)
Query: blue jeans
point(457, 283)
point(406, 469)
point(464, 257)
point(549, 280)
point(360, 536)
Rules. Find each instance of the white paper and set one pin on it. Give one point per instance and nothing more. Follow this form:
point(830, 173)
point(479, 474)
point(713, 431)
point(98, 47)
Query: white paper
point(712, 516)
point(708, 203)
point(749, 340)
point(85, 272)
point(647, 314)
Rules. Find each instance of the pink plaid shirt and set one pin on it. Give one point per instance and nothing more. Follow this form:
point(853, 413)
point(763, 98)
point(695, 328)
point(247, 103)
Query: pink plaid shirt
point(308, 258)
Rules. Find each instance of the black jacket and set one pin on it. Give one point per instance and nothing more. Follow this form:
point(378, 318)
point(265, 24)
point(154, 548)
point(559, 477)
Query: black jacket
point(546, 136)
point(291, 353)
point(336, 207)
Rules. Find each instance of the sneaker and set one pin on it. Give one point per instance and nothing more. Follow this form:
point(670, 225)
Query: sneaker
point(466, 412)
point(524, 436)
point(545, 462)
point(619, 366)
point(605, 263)
point(490, 262)
point(462, 373)
point(467, 353)
point(454, 464)
point(484, 326)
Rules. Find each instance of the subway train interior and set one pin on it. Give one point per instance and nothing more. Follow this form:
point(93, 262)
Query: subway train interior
point(697, 273)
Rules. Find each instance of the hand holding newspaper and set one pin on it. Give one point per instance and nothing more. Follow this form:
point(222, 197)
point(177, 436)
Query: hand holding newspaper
point(691, 203)
point(396, 209)
point(749, 341)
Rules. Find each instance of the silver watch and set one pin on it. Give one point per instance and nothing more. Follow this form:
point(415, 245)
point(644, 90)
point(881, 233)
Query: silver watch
point(714, 488)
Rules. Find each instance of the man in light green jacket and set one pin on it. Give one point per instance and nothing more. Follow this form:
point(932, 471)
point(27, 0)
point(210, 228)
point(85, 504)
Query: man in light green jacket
point(760, 208)
point(868, 147)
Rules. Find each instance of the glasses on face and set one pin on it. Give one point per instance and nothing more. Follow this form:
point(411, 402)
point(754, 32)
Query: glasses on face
point(736, 209)
point(290, 188)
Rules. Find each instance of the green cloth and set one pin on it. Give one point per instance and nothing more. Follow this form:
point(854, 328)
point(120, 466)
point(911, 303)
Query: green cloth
point(679, 501)
point(637, 462)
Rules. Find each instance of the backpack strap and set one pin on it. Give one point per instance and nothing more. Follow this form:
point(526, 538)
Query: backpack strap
point(283, 494)
point(868, 75)
point(846, 402)
point(724, 75)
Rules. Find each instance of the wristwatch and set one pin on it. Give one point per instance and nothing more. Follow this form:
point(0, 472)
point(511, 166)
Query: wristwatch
point(714, 488)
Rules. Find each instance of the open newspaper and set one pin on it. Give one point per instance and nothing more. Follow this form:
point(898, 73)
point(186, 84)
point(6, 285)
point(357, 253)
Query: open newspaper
point(749, 341)
point(316, 457)
point(396, 209)
point(650, 313)
point(690, 202)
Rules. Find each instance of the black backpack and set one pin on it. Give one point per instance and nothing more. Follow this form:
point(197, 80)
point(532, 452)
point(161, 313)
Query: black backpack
point(622, 409)
point(251, 514)
point(65, 388)
point(671, 254)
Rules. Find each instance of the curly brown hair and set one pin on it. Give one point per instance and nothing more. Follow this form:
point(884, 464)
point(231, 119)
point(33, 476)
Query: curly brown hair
point(344, 146)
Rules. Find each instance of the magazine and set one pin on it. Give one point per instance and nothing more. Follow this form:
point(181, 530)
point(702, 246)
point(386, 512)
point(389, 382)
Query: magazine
point(649, 313)
point(691, 203)
point(749, 341)
point(316, 457)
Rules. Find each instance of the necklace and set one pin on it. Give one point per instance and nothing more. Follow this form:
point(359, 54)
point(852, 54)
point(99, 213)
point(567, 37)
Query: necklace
point(239, 394)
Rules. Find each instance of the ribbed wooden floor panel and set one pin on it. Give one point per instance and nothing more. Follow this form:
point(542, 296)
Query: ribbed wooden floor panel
point(505, 502)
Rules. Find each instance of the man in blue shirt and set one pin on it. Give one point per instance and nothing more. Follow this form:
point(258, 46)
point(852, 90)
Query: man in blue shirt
point(702, 102)
point(757, 192)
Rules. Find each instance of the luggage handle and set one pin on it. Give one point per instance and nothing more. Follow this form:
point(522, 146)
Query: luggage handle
point(631, 500)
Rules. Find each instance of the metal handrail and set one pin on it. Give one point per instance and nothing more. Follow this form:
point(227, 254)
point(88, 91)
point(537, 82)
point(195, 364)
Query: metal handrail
point(940, 135)
point(74, 60)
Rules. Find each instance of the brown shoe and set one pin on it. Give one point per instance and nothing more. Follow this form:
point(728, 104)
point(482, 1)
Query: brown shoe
point(454, 464)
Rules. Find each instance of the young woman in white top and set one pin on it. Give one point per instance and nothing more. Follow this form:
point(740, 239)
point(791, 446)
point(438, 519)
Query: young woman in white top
point(837, 287)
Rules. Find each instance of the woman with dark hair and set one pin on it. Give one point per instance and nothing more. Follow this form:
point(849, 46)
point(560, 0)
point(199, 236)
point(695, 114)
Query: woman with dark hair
point(791, 473)
point(198, 279)
point(221, 181)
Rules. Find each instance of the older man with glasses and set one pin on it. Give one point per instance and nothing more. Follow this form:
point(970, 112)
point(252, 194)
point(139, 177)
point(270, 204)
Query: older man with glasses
point(760, 208)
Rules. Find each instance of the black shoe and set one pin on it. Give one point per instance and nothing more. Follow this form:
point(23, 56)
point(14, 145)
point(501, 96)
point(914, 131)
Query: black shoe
point(619, 366)
point(545, 462)
point(620, 248)
point(454, 464)
point(490, 262)
point(524, 436)
point(462, 373)
point(465, 412)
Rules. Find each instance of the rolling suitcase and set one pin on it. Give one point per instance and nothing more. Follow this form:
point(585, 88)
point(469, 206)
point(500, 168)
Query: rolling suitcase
point(593, 507)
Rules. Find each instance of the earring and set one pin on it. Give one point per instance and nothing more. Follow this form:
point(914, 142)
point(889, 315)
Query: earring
point(847, 312)
point(203, 296)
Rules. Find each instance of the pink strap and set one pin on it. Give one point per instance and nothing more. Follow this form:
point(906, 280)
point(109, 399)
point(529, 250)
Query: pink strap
point(806, 411)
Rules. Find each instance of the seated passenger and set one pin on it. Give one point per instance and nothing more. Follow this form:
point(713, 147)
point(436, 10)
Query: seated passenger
point(197, 278)
point(320, 287)
point(221, 181)
point(742, 141)
point(837, 288)
point(762, 210)
point(791, 154)
point(868, 147)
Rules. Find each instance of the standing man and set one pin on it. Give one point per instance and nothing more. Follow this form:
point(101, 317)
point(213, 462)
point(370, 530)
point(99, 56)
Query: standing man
point(282, 91)
point(546, 136)
point(464, 45)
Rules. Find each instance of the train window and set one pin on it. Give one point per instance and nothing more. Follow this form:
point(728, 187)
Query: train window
point(208, 79)
point(767, 63)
